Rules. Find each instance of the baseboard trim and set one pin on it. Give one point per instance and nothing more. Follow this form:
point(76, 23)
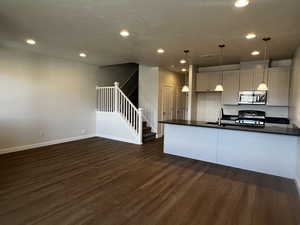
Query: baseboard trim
point(42, 144)
point(118, 139)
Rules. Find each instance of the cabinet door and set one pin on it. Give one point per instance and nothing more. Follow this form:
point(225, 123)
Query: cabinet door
point(246, 80)
point(279, 85)
point(258, 76)
point(213, 80)
point(231, 87)
point(202, 82)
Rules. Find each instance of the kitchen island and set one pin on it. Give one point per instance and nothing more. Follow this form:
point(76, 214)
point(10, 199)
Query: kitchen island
point(270, 150)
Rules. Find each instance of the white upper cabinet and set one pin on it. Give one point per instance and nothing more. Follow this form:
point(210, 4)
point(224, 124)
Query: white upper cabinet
point(207, 81)
point(231, 87)
point(279, 85)
point(246, 80)
point(202, 82)
point(214, 80)
point(258, 78)
point(250, 79)
point(278, 79)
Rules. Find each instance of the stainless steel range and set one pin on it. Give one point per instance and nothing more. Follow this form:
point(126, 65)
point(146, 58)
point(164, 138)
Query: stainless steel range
point(251, 118)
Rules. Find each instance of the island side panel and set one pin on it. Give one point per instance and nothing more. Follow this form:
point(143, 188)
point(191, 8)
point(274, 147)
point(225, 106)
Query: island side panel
point(266, 153)
point(191, 142)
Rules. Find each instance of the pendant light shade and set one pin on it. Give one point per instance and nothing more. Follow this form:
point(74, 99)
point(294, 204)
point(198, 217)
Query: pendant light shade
point(263, 85)
point(219, 86)
point(185, 88)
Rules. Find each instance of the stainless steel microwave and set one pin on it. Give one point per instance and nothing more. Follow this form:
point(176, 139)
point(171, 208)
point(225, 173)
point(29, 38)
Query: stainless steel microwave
point(253, 97)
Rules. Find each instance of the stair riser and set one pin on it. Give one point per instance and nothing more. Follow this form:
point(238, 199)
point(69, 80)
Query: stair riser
point(148, 139)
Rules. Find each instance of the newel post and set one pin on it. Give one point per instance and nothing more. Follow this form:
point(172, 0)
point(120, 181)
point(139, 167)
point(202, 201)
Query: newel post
point(116, 96)
point(140, 125)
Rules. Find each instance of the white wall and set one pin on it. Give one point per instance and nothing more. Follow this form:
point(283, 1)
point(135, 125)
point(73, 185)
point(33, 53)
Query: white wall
point(176, 81)
point(294, 110)
point(44, 99)
point(295, 101)
point(148, 93)
point(107, 75)
point(113, 126)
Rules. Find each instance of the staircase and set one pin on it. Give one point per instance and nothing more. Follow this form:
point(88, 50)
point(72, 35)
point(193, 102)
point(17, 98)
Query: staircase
point(119, 119)
point(148, 135)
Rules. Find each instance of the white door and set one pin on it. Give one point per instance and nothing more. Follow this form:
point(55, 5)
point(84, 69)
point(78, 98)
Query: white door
point(168, 103)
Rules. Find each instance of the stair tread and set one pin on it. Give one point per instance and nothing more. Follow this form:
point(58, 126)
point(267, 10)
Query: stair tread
point(149, 134)
point(148, 139)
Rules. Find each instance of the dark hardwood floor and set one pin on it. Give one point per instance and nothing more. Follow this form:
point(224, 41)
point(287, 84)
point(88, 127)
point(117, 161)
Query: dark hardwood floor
point(98, 181)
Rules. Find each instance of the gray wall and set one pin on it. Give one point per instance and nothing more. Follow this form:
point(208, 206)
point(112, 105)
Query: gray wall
point(44, 98)
point(295, 100)
point(116, 73)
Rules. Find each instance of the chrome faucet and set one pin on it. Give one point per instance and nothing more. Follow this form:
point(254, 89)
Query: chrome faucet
point(221, 113)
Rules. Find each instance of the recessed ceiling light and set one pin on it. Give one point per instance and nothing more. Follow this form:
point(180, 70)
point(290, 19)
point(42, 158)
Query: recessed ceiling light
point(251, 36)
point(255, 53)
point(82, 55)
point(124, 33)
point(183, 69)
point(160, 51)
point(183, 61)
point(30, 42)
point(241, 3)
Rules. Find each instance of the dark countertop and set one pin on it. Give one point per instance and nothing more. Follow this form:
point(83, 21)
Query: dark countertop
point(271, 130)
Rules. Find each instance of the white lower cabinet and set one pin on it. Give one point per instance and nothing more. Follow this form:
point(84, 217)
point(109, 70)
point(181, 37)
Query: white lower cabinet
point(191, 142)
point(266, 153)
point(261, 152)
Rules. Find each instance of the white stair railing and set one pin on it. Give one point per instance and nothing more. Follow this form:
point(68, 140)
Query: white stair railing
point(112, 99)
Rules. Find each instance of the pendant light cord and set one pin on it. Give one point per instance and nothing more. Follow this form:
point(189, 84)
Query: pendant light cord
point(265, 56)
point(186, 52)
point(265, 63)
point(222, 46)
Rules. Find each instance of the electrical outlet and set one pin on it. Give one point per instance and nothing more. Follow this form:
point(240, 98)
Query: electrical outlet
point(83, 131)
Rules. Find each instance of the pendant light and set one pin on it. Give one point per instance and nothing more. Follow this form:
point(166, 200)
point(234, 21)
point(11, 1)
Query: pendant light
point(263, 85)
point(219, 86)
point(185, 87)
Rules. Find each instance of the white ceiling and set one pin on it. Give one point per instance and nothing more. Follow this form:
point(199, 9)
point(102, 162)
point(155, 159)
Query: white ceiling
point(63, 28)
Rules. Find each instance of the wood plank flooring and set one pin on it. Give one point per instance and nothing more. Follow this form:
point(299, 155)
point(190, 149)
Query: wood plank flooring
point(99, 181)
